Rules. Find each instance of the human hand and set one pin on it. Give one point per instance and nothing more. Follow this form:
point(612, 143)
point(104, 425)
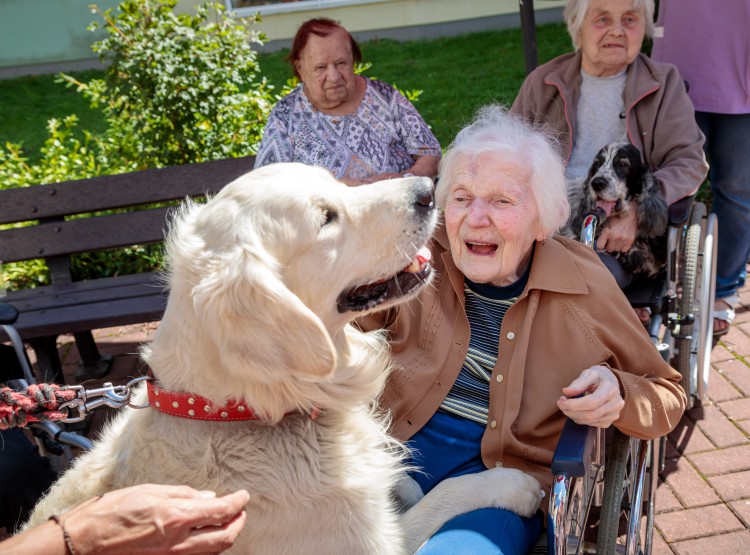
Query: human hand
point(619, 233)
point(156, 519)
point(601, 402)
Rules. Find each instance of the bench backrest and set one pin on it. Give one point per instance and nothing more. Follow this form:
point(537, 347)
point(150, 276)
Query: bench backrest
point(57, 208)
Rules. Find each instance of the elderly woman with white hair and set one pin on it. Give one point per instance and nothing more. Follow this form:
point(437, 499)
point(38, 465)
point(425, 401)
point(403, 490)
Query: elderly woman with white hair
point(607, 91)
point(520, 329)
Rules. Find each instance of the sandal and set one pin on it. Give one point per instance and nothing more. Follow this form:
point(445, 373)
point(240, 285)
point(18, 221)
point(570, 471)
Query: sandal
point(725, 315)
point(644, 315)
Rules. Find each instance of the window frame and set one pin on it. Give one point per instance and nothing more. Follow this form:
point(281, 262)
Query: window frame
point(291, 7)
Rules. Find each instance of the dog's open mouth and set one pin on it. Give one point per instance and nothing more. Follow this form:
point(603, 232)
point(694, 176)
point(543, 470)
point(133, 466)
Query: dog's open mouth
point(370, 295)
point(608, 206)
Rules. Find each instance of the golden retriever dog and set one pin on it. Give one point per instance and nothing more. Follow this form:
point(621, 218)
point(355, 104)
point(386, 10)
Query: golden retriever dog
point(260, 382)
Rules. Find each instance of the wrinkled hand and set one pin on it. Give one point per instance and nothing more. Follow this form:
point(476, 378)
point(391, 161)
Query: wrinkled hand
point(619, 233)
point(154, 519)
point(601, 403)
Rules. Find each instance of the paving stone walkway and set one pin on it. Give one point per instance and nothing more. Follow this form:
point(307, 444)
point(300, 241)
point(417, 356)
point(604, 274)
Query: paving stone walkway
point(703, 500)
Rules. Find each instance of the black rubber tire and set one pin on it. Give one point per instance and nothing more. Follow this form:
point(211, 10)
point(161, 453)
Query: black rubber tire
point(686, 341)
point(617, 454)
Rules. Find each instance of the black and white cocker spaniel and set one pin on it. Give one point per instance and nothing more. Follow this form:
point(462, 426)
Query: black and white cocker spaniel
point(618, 181)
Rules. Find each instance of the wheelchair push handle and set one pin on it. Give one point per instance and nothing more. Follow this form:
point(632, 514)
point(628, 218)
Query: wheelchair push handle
point(591, 220)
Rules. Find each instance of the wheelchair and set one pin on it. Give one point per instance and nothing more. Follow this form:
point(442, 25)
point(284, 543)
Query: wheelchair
point(52, 438)
point(620, 481)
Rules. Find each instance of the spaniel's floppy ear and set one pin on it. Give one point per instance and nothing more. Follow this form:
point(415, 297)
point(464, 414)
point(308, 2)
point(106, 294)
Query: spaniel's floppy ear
point(653, 212)
point(255, 320)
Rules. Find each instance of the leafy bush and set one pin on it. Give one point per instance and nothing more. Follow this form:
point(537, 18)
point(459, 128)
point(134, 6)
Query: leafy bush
point(177, 89)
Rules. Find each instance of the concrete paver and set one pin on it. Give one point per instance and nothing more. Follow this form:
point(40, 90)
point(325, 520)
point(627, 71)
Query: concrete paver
point(695, 523)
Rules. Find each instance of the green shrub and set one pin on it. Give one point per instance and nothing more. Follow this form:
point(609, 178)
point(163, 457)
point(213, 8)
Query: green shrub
point(177, 89)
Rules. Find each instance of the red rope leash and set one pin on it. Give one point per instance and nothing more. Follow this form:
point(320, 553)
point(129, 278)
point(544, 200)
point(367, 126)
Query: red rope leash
point(38, 402)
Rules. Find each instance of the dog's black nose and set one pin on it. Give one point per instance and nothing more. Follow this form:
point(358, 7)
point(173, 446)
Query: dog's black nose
point(424, 194)
point(598, 184)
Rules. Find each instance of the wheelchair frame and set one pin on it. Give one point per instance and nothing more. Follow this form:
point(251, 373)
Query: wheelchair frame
point(622, 480)
point(55, 434)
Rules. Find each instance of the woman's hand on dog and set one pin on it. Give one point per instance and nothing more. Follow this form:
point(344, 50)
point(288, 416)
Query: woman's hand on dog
point(619, 233)
point(164, 519)
point(156, 519)
point(593, 398)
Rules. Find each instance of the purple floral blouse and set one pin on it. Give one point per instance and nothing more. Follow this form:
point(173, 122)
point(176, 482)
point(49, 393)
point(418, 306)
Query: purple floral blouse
point(383, 135)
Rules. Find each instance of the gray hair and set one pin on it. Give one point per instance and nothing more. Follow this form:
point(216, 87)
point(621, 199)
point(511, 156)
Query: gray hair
point(575, 12)
point(495, 130)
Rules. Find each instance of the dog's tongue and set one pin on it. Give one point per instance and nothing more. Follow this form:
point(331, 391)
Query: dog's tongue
point(606, 205)
point(421, 259)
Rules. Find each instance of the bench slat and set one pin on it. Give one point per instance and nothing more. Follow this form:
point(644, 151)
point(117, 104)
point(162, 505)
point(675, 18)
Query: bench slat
point(71, 310)
point(52, 232)
point(51, 297)
point(118, 191)
point(72, 319)
point(83, 235)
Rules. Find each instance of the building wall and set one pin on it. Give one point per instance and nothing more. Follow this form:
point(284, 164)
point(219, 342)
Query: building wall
point(401, 19)
point(44, 36)
point(47, 36)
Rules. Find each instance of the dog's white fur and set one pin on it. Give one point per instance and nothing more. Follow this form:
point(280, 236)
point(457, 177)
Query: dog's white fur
point(254, 276)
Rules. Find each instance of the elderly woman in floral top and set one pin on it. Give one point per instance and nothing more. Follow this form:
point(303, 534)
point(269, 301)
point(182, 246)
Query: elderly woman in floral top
point(362, 130)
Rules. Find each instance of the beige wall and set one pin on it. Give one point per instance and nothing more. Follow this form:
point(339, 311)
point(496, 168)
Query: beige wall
point(49, 36)
point(367, 18)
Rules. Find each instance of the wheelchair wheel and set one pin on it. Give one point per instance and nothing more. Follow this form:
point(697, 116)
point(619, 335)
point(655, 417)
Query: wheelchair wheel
point(707, 298)
point(697, 276)
point(623, 502)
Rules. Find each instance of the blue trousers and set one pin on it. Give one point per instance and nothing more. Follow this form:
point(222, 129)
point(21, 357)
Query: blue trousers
point(450, 446)
point(24, 477)
point(728, 151)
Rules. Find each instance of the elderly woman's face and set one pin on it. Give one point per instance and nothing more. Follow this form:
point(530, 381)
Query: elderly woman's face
point(491, 217)
point(611, 36)
point(326, 67)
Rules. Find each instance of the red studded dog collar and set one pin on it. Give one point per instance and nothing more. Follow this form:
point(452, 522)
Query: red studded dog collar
point(186, 405)
point(195, 407)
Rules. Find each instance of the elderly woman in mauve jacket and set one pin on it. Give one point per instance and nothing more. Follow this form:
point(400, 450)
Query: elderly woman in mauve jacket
point(607, 91)
point(520, 330)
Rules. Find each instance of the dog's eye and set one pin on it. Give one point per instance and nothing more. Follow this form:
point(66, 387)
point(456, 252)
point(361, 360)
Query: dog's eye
point(329, 216)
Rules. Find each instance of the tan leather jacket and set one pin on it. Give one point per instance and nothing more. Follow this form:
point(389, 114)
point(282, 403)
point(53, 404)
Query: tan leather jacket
point(660, 117)
point(571, 316)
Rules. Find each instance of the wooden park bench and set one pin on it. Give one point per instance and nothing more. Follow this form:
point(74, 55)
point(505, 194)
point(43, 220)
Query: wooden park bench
point(54, 230)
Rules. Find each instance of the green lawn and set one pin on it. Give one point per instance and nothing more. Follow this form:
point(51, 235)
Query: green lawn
point(456, 75)
point(27, 103)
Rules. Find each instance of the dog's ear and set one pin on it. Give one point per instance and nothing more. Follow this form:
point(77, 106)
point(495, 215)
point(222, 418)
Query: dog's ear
point(636, 172)
point(254, 319)
point(653, 212)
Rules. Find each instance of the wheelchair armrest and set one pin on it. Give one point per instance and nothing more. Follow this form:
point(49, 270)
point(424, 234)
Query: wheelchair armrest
point(574, 449)
point(56, 433)
point(679, 211)
point(8, 314)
